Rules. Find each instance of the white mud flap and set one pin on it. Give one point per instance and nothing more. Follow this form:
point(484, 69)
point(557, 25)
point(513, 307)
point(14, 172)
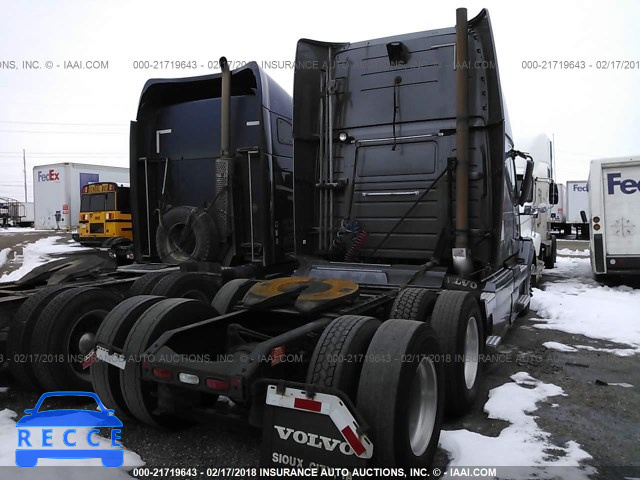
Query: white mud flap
point(311, 430)
point(101, 353)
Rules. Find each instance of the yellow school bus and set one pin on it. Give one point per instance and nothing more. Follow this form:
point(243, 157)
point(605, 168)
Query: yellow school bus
point(105, 214)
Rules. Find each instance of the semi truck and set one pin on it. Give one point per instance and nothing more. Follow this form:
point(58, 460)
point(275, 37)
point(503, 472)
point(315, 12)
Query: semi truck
point(211, 200)
point(57, 189)
point(614, 187)
point(535, 214)
point(411, 265)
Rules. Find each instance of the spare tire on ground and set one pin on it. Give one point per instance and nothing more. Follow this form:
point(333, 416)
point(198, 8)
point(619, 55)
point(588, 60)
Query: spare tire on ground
point(187, 233)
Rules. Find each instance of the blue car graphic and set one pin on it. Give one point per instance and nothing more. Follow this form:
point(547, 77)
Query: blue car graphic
point(68, 418)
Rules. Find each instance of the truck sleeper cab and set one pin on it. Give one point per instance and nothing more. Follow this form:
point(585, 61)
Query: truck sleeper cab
point(410, 257)
point(211, 158)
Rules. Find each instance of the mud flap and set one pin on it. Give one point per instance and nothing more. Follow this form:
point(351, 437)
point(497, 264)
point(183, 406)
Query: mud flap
point(303, 429)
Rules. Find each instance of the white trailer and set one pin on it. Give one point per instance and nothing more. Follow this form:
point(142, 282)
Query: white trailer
point(27, 215)
point(577, 201)
point(56, 191)
point(614, 197)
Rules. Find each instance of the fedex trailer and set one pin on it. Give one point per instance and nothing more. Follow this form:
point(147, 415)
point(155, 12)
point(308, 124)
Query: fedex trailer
point(577, 201)
point(614, 193)
point(56, 191)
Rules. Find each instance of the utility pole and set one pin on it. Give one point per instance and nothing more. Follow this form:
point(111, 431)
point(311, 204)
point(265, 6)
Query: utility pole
point(24, 171)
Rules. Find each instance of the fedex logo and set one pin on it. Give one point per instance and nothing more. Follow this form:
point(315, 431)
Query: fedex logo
point(580, 188)
point(627, 186)
point(49, 176)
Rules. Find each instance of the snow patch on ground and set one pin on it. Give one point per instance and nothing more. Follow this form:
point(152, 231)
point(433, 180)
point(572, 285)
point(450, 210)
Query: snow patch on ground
point(576, 253)
point(575, 303)
point(521, 444)
point(21, 230)
point(560, 347)
point(8, 444)
point(4, 256)
point(37, 253)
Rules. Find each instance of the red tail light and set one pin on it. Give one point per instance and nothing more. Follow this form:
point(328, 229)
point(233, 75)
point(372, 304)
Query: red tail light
point(217, 384)
point(596, 219)
point(161, 373)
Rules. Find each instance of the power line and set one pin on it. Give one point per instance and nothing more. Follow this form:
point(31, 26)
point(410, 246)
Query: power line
point(55, 154)
point(51, 132)
point(65, 124)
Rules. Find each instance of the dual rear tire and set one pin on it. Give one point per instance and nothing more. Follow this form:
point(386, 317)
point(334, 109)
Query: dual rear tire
point(390, 371)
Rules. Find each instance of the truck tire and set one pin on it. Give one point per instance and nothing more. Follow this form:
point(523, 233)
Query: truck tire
point(113, 331)
point(414, 304)
point(550, 258)
point(458, 324)
point(187, 233)
point(144, 285)
point(65, 332)
point(230, 294)
point(141, 397)
point(400, 393)
point(336, 359)
point(198, 286)
point(21, 333)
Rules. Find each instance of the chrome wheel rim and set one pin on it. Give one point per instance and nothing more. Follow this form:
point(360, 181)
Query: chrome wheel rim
point(423, 406)
point(471, 353)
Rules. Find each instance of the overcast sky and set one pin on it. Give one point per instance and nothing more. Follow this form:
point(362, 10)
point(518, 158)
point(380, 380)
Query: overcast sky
point(59, 114)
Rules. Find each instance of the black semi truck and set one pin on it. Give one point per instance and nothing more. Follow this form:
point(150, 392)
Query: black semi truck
point(211, 190)
point(411, 264)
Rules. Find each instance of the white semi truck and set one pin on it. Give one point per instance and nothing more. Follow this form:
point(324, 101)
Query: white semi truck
point(536, 213)
point(614, 196)
point(57, 187)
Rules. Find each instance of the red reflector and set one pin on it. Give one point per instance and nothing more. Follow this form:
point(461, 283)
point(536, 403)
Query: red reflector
point(353, 440)
point(304, 404)
point(161, 373)
point(217, 384)
point(277, 355)
point(89, 359)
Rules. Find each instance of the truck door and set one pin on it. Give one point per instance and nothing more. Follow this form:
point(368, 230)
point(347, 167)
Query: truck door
point(621, 194)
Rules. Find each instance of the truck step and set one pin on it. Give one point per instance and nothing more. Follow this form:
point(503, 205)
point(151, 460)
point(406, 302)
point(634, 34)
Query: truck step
point(523, 301)
point(493, 341)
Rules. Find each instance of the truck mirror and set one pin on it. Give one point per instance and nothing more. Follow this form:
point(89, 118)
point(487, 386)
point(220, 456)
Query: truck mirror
point(527, 183)
point(553, 193)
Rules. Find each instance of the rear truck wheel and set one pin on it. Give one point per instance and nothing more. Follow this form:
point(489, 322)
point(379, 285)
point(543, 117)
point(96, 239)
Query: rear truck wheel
point(141, 397)
point(400, 393)
point(145, 284)
point(21, 333)
point(414, 304)
point(113, 331)
point(337, 359)
point(187, 233)
point(457, 322)
point(65, 332)
point(230, 294)
point(198, 286)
